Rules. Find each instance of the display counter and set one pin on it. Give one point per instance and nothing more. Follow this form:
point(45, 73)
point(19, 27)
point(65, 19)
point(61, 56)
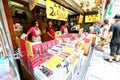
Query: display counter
point(64, 58)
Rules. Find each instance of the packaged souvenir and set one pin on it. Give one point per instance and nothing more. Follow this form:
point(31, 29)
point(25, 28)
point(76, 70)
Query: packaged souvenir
point(4, 66)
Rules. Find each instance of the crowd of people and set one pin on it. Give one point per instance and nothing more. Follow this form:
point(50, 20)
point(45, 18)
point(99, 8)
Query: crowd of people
point(109, 33)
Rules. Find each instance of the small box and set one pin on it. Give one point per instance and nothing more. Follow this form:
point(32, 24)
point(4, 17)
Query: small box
point(18, 42)
point(44, 48)
point(36, 49)
point(18, 33)
point(29, 49)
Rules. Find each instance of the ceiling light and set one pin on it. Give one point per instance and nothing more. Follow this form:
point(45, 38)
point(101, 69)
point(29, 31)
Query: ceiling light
point(17, 4)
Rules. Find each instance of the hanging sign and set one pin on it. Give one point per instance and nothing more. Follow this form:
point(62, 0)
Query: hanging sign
point(110, 9)
point(32, 3)
point(80, 19)
point(56, 11)
point(92, 18)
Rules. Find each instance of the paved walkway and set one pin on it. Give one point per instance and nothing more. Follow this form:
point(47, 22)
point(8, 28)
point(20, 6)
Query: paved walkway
point(99, 69)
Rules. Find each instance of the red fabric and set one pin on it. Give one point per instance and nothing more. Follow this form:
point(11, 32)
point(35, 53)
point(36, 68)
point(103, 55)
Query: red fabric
point(52, 32)
point(23, 50)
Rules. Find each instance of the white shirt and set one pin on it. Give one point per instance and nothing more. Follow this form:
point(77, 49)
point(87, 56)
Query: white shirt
point(76, 27)
point(36, 38)
point(91, 29)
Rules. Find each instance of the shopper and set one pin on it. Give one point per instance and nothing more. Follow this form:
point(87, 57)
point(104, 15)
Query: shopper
point(115, 40)
point(50, 30)
point(34, 31)
point(104, 29)
point(63, 28)
point(91, 28)
point(97, 27)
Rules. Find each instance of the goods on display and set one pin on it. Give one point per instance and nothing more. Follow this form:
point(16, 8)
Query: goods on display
point(58, 59)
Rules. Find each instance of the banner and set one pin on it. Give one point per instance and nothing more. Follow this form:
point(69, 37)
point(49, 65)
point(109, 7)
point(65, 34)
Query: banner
point(92, 18)
point(56, 11)
point(80, 19)
point(32, 3)
point(110, 9)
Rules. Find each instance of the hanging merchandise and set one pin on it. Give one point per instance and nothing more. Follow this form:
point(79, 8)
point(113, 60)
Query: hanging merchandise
point(18, 28)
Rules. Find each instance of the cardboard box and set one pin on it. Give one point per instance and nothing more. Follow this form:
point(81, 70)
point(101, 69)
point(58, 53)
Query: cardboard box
point(37, 49)
point(93, 39)
point(18, 33)
point(86, 46)
point(29, 49)
point(18, 42)
point(44, 48)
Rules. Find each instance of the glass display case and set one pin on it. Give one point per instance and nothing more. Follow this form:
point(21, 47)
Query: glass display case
point(8, 67)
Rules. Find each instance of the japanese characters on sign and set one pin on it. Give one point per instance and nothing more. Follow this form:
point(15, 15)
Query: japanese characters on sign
point(56, 11)
point(92, 18)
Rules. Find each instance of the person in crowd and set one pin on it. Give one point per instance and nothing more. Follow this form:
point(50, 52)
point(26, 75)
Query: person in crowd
point(104, 29)
point(75, 28)
point(50, 30)
point(114, 38)
point(91, 28)
point(80, 29)
point(34, 31)
point(63, 28)
point(70, 24)
point(97, 26)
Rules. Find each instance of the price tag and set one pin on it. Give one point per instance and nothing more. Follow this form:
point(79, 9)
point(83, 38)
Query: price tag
point(56, 11)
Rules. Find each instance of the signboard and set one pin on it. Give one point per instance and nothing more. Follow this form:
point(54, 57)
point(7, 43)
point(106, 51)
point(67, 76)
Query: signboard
point(92, 18)
point(110, 9)
point(56, 11)
point(80, 19)
point(32, 3)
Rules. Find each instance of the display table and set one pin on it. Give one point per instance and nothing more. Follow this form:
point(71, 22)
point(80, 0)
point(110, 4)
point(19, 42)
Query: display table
point(59, 59)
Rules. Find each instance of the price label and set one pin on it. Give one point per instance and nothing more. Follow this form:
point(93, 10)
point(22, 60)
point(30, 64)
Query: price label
point(56, 11)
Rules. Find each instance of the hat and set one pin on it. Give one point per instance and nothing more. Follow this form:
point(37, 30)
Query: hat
point(117, 16)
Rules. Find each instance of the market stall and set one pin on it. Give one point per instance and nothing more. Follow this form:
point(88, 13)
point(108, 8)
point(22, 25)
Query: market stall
point(66, 57)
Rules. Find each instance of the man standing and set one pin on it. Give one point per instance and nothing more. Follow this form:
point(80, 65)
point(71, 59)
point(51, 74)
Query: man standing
point(115, 40)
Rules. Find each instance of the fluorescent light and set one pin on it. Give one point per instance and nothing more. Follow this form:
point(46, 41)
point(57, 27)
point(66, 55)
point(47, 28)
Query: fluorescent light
point(17, 4)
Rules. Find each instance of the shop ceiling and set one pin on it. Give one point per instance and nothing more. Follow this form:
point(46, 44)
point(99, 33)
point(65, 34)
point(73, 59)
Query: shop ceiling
point(75, 6)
